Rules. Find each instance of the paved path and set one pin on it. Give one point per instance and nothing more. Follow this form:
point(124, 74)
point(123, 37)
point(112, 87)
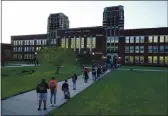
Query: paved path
point(27, 104)
point(152, 70)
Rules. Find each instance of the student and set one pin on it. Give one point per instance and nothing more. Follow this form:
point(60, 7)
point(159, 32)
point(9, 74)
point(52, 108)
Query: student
point(98, 72)
point(86, 75)
point(53, 90)
point(74, 78)
point(42, 93)
point(94, 74)
point(65, 89)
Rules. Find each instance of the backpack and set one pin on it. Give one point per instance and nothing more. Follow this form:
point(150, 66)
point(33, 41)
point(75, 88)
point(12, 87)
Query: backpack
point(42, 87)
point(52, 86)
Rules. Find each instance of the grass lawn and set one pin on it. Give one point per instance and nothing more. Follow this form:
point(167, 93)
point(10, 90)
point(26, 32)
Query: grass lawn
point(121, 93)
point(145, 67)
point(13, 83)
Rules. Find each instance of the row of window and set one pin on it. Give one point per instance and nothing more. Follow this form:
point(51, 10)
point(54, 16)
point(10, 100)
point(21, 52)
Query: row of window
point(112, 49)
point(151, 49)
point(157, 49)
point(53, 41)
point(151, 59)
point(112, 39)
point(132, 49)
point(29, 42)
point(156, 59)
point(78, 42)
point(151, 39)
point(137, 39)
point(26, 49)
point(25, 56)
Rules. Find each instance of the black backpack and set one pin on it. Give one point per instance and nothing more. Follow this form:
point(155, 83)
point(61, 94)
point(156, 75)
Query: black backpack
point(41, 87)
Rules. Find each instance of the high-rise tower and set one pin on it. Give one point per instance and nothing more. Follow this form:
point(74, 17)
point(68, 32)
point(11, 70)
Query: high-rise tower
point(113, 22)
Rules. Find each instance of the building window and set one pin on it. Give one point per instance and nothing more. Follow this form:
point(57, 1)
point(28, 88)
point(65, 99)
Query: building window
point(141, 59)
point(166, 49)
point(88, 42)
point(155, 39)
point(15, 56)
point(40, 42)
point(126, 59)
point(166, 39)
point(149, 49)
point(162, 39)
point(116, 40)
point(127, 40)
point(67, 42)
point(131, 49)
point(155, 49)
point(131, 39)
point(161, 49)
point(108, 39)
point(63, 42)
point(112, 39)
point(78, 42)
point(142, 39)
point(166, 59)
point(126, 49)
point(72, 42)
point(21, 42)
point(141, 49)
point(82, 42)
point(137, 39)
point(155, 60)
point(136, 59)
point(93, 42)
point(150, 39)
point(55, 41)
point(136, 49)
point(131, 59)
point(149, 59)
point(161, 60)
point(37, 42)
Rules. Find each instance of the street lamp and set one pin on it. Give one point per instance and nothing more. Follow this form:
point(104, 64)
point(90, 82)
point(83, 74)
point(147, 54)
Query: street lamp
point(93, 53)
point(35, 58)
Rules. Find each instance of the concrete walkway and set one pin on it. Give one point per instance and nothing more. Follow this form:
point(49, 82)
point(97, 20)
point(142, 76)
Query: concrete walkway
point(152, 70)
point(27, 104)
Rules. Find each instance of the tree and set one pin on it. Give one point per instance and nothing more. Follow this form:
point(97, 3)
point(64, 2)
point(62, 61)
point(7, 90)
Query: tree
point(57, 57)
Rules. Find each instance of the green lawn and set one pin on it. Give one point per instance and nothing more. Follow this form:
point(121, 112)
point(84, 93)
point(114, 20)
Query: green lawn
point(121, 93)
point(13, 83)
point(145, 67)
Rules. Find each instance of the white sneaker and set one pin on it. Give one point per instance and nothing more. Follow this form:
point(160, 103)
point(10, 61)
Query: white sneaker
point(55, 105)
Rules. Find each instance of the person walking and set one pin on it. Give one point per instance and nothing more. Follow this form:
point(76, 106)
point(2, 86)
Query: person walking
point(65, 89)
point(41, 90)
point(94, 74)
point(53, 90)
point(74, 78)
point(86, 77)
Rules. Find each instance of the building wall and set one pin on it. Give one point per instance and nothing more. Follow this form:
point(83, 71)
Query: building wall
point(6, 52)
point(153, 44)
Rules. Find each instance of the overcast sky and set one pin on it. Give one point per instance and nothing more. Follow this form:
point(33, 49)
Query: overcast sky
point(30, 17)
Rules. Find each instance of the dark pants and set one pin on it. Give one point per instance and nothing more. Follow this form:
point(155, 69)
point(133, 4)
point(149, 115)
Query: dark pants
point(53, 94)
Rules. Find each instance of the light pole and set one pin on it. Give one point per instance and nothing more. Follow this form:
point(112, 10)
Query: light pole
point(35, 58)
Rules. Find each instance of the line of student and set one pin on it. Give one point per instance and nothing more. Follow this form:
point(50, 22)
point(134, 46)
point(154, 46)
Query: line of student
point(52, 85)
point(42, 87)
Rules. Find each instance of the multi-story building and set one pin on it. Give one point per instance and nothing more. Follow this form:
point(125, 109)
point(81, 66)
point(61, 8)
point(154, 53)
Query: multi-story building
point(133, 46)
point(57, 21)
point(25, 46)
point(6, 53)
point(113, 22)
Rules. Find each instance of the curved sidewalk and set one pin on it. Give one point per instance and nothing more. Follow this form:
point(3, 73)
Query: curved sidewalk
point(27, 104)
